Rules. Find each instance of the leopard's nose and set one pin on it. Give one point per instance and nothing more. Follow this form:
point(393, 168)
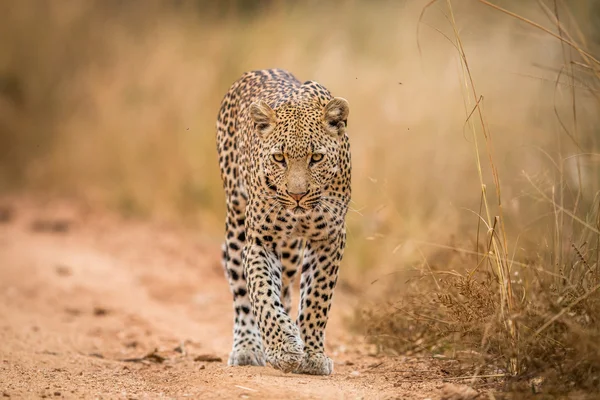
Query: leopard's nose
point(297, 196)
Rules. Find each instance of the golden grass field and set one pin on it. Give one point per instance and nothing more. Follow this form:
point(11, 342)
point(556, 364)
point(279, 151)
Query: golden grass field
point(475, 224)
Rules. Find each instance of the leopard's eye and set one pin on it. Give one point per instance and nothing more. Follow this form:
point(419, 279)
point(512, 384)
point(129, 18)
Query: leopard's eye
point(278, 157)
point(316, 157)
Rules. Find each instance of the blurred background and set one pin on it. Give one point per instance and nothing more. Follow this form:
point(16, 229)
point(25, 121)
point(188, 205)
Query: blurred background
point(475, 137)
point(114, 103)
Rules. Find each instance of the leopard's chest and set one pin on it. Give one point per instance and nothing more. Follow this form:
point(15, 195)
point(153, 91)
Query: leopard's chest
point(312, 226)
point(284, 225)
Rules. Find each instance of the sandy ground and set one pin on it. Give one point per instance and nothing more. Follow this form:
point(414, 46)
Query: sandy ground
point(86, 298)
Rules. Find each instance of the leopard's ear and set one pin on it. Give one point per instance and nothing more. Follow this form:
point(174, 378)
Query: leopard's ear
point(335, 116)
point(263, 117)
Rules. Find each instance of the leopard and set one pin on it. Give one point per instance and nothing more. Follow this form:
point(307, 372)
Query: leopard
point(284, 157)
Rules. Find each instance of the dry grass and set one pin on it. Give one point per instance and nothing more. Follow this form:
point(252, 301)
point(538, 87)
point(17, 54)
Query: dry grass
point(530, 317)
point(475, 148)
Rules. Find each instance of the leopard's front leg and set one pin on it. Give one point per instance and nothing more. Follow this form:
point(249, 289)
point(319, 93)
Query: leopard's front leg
point(281, 336)
point(319, 277)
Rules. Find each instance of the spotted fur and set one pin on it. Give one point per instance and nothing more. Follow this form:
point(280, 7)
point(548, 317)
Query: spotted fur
point(285, 163)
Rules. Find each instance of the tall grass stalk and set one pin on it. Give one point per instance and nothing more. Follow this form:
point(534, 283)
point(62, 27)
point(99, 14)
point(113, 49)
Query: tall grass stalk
point(498, 247)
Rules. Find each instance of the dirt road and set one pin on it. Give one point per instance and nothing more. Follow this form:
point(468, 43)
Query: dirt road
point(86, 298)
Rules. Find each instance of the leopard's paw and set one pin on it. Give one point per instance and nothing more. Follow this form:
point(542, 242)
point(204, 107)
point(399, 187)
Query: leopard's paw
point(287, 355)
point(246, 356)
point(315, 364)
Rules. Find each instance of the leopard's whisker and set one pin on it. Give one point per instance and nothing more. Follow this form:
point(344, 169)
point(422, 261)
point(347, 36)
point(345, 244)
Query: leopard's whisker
point(268, 213)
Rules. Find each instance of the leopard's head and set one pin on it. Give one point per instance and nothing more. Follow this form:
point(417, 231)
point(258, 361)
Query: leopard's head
point(301, 144)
